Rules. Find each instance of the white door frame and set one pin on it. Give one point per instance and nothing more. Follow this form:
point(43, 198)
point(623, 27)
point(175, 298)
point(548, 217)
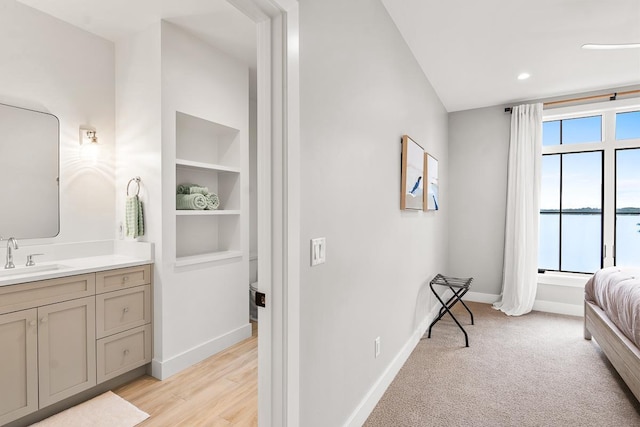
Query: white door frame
point(278, 208)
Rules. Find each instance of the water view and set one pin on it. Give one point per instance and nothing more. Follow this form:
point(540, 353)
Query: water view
point(582, 241)
point(573, 183)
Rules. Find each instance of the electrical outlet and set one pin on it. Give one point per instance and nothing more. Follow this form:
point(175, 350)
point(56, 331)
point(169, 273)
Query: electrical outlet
point(377, 347)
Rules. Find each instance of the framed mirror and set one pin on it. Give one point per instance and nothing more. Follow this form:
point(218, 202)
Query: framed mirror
point(29, 168)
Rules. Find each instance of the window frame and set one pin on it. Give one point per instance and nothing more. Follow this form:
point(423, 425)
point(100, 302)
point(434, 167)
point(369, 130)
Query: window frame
point(609, 146)
point(615, 195)
point(561, 212)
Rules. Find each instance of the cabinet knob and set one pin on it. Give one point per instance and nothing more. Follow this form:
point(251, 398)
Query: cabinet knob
point(43, 320)
point(125, 279)
point(126, 352)
point(33, 323)
point(125, 310)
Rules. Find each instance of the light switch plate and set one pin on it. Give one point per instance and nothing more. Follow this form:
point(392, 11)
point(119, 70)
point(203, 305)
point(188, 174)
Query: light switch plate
point(318, 251)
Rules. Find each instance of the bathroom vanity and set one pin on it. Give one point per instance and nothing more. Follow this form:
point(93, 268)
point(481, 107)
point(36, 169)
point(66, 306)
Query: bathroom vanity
point(66, 328)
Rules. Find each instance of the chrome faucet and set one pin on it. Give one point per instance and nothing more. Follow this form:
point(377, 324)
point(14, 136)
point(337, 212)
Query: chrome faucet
point(11, 243)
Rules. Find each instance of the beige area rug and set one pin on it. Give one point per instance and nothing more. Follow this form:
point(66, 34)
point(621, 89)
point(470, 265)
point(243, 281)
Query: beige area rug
point(106, 410)
point(532, 370)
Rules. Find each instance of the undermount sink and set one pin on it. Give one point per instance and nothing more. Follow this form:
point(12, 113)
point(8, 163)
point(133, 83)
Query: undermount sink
point(30, 270)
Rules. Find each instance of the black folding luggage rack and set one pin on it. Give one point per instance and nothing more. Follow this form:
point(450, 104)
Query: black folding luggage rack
point(459, 287)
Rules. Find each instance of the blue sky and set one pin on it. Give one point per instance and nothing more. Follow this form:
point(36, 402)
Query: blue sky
point(582, 172)
point(628, 178)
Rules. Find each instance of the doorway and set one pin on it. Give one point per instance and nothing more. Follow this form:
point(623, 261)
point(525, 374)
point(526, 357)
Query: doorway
point(276, 214)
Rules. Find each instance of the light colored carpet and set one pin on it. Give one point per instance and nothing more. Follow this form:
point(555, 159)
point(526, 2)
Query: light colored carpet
point(532, 370)
point(106, 410)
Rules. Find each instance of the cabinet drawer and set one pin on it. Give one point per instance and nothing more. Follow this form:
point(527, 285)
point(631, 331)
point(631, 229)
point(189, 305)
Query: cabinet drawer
point(34, 294)
point(113, 280)
point(122, 352)
point(121, 310)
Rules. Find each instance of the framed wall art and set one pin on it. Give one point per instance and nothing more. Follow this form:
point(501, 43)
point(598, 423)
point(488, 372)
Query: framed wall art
point(413, 172)
point(432, 186)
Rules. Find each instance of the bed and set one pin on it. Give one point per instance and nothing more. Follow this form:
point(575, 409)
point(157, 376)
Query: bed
point(612, 317)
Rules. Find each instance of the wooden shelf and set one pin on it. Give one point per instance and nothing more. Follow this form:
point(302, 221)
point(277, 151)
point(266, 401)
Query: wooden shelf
point(206, 166)
point(204, 258)
point(187, 212)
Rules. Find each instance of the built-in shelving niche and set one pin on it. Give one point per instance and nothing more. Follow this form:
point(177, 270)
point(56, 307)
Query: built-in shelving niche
point(208, 153)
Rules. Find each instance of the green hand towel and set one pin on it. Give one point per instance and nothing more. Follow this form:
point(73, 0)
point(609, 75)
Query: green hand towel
point(134, 219)
point(192, 189)
point(196, 189)
point(184, 188)
point(191, 201)
point(212, 201)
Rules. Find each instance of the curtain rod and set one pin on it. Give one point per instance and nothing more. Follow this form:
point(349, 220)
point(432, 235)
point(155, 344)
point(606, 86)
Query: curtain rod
point(611, 96)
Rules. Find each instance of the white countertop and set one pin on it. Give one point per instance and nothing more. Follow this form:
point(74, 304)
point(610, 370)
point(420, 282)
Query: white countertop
point(67, 267)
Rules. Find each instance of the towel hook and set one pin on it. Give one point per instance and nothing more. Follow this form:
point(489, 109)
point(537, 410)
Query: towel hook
point(137, 181)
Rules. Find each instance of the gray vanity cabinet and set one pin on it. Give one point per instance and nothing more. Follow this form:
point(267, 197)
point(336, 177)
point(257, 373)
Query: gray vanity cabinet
point(48, 354)
point(47, 337)
point(18, 364)
point(123, 320)
point(62, 336)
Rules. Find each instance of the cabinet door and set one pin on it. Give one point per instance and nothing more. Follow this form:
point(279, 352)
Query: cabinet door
point(66, 349)
point(18, 365)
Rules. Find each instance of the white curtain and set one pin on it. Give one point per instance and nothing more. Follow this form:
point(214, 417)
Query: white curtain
point(519, 280)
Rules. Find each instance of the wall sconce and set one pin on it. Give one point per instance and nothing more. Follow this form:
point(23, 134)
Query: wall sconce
point(89, 147)
point(91, 136)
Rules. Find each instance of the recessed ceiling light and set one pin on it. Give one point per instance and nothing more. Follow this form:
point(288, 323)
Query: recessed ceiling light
point(597, 46)
point(523, 76)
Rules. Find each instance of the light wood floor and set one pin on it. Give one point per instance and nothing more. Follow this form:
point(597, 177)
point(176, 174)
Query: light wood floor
point(219, 391)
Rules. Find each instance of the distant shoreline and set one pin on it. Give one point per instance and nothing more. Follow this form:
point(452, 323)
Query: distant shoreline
point(588, 211)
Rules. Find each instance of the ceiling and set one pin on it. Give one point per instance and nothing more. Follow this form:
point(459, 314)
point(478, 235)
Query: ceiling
point(215, 21)
point(471, 51)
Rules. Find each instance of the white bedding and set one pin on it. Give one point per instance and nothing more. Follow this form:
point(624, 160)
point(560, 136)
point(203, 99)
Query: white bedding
point(617, 291)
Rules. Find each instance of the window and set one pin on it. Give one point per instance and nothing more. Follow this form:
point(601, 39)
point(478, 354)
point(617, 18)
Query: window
point(571, 212)
point(590, 188)
point(628, 205)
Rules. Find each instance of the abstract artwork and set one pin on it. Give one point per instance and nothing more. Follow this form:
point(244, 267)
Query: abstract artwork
point(433, 201)
point(413, 167)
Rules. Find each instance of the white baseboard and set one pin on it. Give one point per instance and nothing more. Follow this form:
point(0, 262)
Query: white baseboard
point(481, 297)
point(538, 305)
point(559, 308)
point(370, 400)
point(166, 368)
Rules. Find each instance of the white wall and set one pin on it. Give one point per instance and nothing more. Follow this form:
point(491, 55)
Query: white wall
point(478, 155)
point(361, 90)
point(206, 306)
point(139, 148)
point(202, 309)
point(478, 159)
point(51, 66)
